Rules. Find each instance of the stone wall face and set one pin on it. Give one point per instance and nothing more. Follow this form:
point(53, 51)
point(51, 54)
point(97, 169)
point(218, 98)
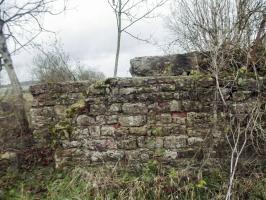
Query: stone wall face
point(49, 105)
point(134, 120)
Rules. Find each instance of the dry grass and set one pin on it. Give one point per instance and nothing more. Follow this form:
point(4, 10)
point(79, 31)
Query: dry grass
point(151, 181)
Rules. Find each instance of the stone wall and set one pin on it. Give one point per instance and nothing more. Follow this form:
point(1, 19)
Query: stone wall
point(134, 120)
point(50, 102)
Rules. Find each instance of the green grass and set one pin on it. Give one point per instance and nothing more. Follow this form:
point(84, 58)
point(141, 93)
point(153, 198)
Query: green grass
point(148, 182)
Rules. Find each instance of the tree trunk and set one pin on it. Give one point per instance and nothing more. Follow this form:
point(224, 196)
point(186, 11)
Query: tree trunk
point(16, 87)
point(118, 44)
point(117, 53)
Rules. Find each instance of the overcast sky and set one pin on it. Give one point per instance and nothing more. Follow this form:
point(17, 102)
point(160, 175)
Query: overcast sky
point(88, 33)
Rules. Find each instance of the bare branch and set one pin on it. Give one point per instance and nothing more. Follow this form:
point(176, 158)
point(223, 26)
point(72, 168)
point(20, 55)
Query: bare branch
point(145, 15)
point(128, 11)
point(14, 19)
point(132, 6)
point(137, 37)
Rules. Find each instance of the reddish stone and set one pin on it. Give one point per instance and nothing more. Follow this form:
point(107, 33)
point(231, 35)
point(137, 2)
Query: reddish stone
point(179, 114)
point(117, 125)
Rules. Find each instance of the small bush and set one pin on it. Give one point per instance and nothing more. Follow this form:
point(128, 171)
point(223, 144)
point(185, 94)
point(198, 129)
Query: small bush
point(55, 65)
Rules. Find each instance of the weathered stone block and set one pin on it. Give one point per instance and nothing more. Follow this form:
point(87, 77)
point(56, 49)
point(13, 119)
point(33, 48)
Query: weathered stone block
point(100, 119)
point(60, 111)
point(168, 130)
point(94, 90)
point(196, 106)
point(8, 156)
point(170, 155)
point(128, 121)
point(194, 140)
point(167, 87)
point(137, 155)
point(151, 118)
point(115, 155)
point(127, 143)
point(198, 132)
point(166, 65)
point(165, 118)
point(94, 131)
point(179, 118)
point(48, 99)
point(84, 120)
point(173, 142)
point(141, 141)
point(101, 145)
point(80, 134)
point(138, 130)
point(161, 107)
point(112, 119)
point(179, 130)
point(161, 131)
point(151, 142)
point(54, 88)
point(184, 83)
point(68, 99)
point(71, 144)
point(134, 108)
point(153, 97)
point(107, 131)
point(43, 117)
point(199, 120)
point(98, 108)
point(127, 91)
point(121, 132)
point(175, 106)
point(114, 108)
point(97, 156)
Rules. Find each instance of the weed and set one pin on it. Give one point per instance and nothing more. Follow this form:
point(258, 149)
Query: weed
point(151, 181)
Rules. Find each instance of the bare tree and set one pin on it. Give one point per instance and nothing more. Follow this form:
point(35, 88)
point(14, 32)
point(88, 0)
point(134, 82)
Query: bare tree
point(231, 34)
point(84, 73)
point(16, 18)
point(128, 13)
point(53, 64)
point(221, 26)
